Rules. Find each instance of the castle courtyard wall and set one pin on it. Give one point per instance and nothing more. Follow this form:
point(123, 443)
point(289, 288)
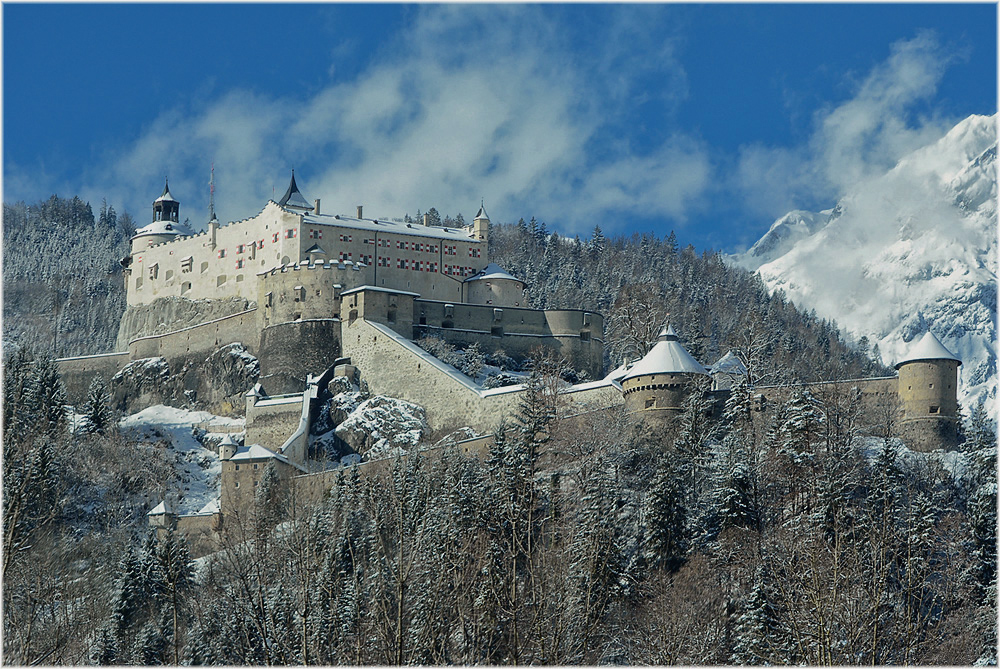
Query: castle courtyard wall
point(289, 352)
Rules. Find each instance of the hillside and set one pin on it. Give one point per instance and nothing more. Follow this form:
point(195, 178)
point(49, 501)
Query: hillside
point(914, 249)
point(62, 281)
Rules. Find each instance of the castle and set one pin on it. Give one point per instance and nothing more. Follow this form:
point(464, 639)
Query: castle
point(320, 295)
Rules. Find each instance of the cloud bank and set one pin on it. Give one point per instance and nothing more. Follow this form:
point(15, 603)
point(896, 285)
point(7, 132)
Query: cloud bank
point(855, 140)
point(480, 101)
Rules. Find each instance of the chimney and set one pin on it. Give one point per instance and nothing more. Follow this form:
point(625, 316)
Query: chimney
point(359, 211)
point(316, 206)
point(427, 220)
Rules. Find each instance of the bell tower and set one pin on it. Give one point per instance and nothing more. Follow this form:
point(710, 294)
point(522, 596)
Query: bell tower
point(165, 207)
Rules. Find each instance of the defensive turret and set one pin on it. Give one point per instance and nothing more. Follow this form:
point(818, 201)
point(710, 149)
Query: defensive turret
point(227, 448)
point(165, 226)
point(928, 394)
point(655, 387)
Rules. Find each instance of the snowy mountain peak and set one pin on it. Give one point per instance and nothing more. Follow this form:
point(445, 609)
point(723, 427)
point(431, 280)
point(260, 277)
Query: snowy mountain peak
point(912, 250)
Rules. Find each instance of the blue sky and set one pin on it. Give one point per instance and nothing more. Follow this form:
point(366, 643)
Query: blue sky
point(711, 120)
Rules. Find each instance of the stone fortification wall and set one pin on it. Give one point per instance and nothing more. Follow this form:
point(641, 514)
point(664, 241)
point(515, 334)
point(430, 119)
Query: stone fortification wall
point(78, 373)
point(289, 352)
point(392, 365)
point(299, 292)
point(573, 334)
point(201, 531)
point(269, 422)
point(169, 314)
point(203, 338)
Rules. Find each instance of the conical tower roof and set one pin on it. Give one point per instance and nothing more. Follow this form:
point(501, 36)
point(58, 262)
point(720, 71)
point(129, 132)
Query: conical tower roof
point(928, 348)
point(293, 197)
point(166, 196)
point(482, 212)
point(666, 357)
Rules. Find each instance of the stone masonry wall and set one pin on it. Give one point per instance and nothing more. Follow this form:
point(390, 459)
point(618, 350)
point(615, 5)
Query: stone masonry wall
point(203, 338)
point(78, 373)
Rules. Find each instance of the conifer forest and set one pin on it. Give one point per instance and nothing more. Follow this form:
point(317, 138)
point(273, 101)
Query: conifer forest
point(797, 535)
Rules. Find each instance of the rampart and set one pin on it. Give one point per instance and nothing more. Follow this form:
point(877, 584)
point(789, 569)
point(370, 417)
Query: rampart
point(288, 352)
point(202, 338)
point(393, 365)
point(271, 420)
point(303, 291)
point(78, 373)
point(573, 334)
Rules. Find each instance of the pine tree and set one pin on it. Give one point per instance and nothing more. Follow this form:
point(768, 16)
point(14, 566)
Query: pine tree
point(665, 520)
point(97, 411)
point(49, 395)
point(760, 637)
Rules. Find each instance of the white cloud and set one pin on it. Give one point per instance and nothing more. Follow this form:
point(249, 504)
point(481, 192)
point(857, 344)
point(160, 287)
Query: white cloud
point(479, 101)
point(854, 140)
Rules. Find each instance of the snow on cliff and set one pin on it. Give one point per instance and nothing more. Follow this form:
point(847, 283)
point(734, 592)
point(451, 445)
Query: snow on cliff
point(913, 249)
point(198, 469)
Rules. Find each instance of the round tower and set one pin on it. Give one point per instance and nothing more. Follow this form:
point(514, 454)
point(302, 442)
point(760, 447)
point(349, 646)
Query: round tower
point(165, 226)
point(227, 448)
point(928, 396)
point(655, 387)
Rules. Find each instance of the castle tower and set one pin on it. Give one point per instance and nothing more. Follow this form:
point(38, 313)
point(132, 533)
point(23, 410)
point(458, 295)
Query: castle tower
point(928, 396)
point(165, 207)
point(294, 199)
point(655, 387)
point(481, 224)
point(165, 226)
point(227, 448)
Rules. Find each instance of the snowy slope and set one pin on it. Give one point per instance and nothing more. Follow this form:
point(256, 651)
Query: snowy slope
point(915, 248)
point(198, 469)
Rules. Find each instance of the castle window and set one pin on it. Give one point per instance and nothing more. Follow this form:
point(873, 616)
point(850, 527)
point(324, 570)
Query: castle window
point(290, 233)
point(170, 274)
point(240, 263)
point(268, 299)
point(498, 314)
point(934, 409)
point(237, 467)
point(300, 293)
point(274, 238)
point(931, 385)
point(222, 253)
point(585, 335)
point(315, 234)
point(187, 264)
point(256, 466)
point(138, 282)
point(220, 280)
point(346, 238)
point(204, 267)
point(237, 483)
point(384, 261)
point(239, 278)
point(185, 287)
point(650, 402)
point(241, 248)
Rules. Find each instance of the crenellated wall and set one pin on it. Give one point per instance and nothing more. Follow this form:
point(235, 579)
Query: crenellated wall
point(298, 292)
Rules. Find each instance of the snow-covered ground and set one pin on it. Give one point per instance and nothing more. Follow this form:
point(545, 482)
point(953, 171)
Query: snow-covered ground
point(911, 250)
point(198, 469)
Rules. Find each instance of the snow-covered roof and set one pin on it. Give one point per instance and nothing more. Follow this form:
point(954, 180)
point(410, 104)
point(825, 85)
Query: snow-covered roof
point(378, 289)
point(729, 364)
point(166, 196)
point(227, 440)
point(257, 452)
point(164, 228)
point(161, 509)
point(211, 507)
point(928, 348)
point(618, 373)
point(492, 272)
point(666, 357)
point(315, 248)
point(293, 197)
point(391, 227)
point(482, 213)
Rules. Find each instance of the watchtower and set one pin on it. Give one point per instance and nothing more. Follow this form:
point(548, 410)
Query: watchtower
point(928, 396)
point(655, 387)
